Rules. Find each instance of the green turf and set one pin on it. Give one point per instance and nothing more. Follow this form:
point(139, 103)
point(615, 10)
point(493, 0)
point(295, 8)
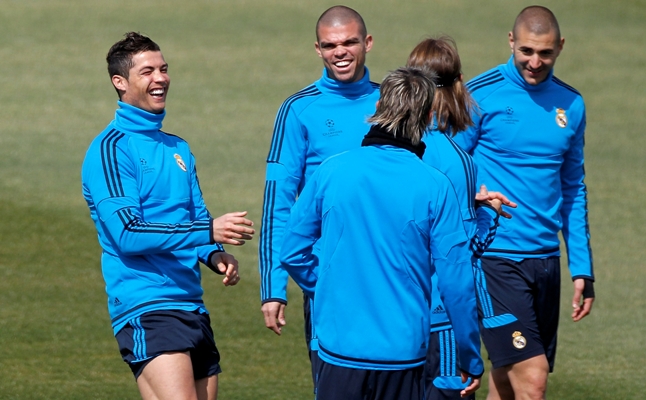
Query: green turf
point(232, 64)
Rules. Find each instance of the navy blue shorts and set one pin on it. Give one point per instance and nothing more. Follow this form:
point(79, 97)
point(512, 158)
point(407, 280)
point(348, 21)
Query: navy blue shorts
point(441, 372)
point(335, 382)
point(519, 308)
point(164, 331)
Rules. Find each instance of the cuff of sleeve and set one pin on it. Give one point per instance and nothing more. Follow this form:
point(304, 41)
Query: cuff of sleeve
point(491, 210)
point(282, 301)
point(472, 375)
point(211, 240)
point(210, 265)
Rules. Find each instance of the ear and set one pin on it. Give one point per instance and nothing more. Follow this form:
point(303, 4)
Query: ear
point(368, 43)
point(511, 41)
point(318, 49)
point(120, 83)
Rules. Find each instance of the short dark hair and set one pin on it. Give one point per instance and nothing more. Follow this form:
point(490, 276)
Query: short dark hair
point(341, 15)
point(119, 56)
point(538, 20)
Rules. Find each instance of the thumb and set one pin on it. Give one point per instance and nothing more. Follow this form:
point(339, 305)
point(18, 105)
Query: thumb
point(281, 316)
point(483, 190)
point(222, 266)
point(576, 299)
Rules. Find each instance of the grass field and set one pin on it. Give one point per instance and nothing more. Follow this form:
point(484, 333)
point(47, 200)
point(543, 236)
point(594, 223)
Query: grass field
point(232, 64)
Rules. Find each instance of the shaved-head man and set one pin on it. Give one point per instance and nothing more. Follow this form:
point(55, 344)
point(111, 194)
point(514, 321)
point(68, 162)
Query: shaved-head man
point(528, 143)
point(323, 119)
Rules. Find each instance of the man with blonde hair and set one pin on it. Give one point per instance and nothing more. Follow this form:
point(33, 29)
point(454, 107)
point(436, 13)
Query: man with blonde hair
point(383, 222)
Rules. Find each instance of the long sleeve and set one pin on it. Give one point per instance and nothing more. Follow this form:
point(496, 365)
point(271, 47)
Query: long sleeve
point(485, 232)
point(452, 259)
point(114, 192)
point(285, 165)
point(200, 212)
point(301, 232)
point(574, 210)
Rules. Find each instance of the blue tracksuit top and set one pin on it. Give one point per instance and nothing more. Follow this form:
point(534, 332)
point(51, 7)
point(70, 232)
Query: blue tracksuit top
point(385, 222)
point(528, 144)
point(323, 119)
point(479, 222)
point(144, 198)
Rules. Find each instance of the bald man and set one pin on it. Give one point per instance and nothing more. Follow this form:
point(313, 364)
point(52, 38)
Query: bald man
point(323, 119)
point(527, 141)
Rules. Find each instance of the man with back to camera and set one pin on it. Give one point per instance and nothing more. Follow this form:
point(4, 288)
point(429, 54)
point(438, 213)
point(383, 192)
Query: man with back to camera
point(528, 143)
point(144, 197)
point(321, 120)
point(384, 222)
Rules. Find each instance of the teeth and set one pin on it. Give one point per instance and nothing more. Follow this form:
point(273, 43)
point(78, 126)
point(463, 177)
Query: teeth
point(342, 64)
point(157, 92)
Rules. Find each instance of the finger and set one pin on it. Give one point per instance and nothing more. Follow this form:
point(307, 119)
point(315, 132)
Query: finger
point(222, 266)
point(240, 221)
point(505, 214)
point(232, 281)
point(239, 233)
point(483, 190)
point(270, 323)
point(281, 315)
point(240, 229)
point(583, 310)
point(233, 242)
point(482, 194)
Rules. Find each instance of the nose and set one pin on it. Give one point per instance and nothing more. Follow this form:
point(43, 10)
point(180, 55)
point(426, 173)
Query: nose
point(535, 61)
point(160, 76)
point(340, 51)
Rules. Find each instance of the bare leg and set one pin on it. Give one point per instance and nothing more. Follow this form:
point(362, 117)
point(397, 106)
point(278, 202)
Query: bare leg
point(499, 385)
point(168, 377)
point(207, 388)
point(526, 380)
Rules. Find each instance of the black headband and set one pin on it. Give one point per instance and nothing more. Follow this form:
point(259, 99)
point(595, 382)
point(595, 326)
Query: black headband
point(443, 82)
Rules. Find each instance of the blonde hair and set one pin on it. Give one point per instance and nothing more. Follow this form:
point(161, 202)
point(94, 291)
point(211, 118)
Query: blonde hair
point(404, 108)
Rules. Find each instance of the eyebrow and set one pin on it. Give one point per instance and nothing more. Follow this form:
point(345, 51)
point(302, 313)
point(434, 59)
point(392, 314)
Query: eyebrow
point(352, 40)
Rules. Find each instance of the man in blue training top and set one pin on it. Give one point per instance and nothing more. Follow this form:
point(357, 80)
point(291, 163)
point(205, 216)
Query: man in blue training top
point(528, 143)
point(323, 119)
point(383, 222)
point(144, 197)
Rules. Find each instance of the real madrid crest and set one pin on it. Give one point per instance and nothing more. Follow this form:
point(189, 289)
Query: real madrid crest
point(518, 340)
point(180, 162)
point(561, 118)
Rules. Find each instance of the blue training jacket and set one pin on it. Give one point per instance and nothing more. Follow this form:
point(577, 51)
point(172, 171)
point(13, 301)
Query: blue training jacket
point(528, 144)
point(385, 222)
point(323, 119)
point(479, 222)
point(144, 197)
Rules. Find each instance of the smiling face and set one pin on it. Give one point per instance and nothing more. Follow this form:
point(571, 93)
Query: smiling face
point(535, 54)
point(147, 84)
point(343, 49)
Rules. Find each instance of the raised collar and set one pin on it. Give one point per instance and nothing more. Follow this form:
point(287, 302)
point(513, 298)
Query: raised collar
point(135, 120)
point(378, 136)
point(354, 89)
point(511, 72)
